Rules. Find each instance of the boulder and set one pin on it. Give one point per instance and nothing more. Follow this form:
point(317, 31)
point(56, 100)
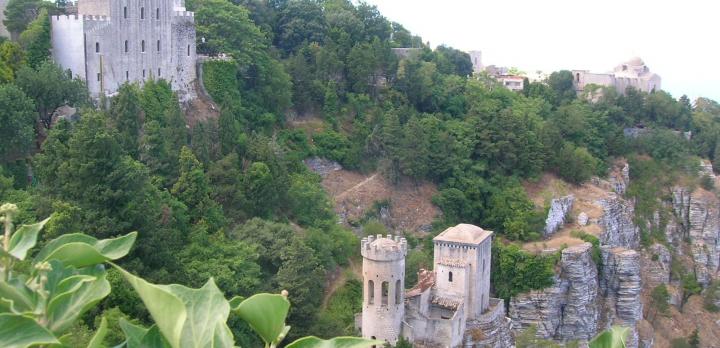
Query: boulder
point(559, 209)
point(582, 219)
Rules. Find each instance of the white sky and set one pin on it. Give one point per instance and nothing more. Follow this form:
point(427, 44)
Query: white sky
point(679, 40)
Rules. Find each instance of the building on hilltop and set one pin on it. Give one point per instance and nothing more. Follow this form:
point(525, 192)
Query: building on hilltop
point(476, 58)
point(110, 42)
point(510, 79)
point(449, 307)
point(633, 73)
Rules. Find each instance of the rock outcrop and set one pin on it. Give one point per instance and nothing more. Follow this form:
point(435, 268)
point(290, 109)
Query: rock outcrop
point(620, 179)
point(698, 217)
point(617, 222)
point(568, 310)
point(620, 288)
point(559, 209)
point(655, 265)
point(492, 329)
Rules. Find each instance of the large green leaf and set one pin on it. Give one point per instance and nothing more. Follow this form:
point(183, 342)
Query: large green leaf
point(207, 311)
point(74, 296)
point(24, 239)
point(17, 297)
point(166, 308)
point(99, 336)
point(265, 313)
point(137, 336)
point(17, 331)
point(338, 342)
point(613, 338)
point(80, 250)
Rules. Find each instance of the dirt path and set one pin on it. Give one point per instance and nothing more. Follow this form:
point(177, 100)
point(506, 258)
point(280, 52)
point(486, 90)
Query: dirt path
point(358, 185)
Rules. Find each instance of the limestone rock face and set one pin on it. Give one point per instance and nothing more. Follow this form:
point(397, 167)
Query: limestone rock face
point(559, 209)
point(617, 222)
point(582, 219)
point(698, 216)
point(620, 180)
point(492, 329)
point(620, 288)
point(568, 310)
point(655, 265)
point(706, 169)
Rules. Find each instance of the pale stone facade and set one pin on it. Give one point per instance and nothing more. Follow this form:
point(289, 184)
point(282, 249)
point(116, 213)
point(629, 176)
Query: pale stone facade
point(633, 73)
point(449, 307)
point(476, 58)
point(110, 42)
point(3, 30)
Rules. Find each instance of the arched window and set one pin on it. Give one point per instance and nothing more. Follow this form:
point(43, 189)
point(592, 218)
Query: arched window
point(158, 45)
point(397, 292)
point(142, 46)
point(384, 294)
point(142, 13)
point(157, 13)
point(97, 47)
point(450, 277)
point(371, 292)
point(125, 12)
point(127, 47)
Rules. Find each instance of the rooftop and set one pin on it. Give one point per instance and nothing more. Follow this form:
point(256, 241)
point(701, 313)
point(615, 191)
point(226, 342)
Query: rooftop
point(463, 233)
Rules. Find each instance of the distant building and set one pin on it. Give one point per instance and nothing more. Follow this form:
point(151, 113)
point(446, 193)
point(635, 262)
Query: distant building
point(110, 42)
point(633, 73)
point(449, 307)
point(3, 30)
point(476, 58)
point(512, 82)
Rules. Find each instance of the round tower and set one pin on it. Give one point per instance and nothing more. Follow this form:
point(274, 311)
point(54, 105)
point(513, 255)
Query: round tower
point(383, 287)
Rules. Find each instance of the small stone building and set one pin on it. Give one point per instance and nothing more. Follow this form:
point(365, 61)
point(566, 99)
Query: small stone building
point(449, 307)
point(110, 42)
point(633, 73)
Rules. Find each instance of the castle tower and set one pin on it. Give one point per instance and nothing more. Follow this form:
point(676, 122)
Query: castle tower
point(383, 287)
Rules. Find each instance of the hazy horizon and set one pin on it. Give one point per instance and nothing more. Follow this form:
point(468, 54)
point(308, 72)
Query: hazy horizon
point(674, 39)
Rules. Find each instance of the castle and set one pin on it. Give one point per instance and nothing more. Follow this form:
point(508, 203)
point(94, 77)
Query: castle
point(633, 73)
point(449, 307)
point(110, 42)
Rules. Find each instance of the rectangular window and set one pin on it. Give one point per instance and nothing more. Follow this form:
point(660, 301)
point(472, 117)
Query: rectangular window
point(126, 46)
point(188, 50)
point(143, 73)
point(158, 45)
point(142, 13)
point(97, 47)
point(127, 75)
point(142, 46)
point(125, 12)
point(157, 13)
point(158, 72)
point(98, 76)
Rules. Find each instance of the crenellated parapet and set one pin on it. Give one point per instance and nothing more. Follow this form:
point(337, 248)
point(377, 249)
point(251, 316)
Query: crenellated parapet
point(383, 248)
point(76, 17)
point(184, 14)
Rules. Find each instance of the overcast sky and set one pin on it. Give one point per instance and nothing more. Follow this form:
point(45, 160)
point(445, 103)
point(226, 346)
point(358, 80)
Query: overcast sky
point(679, 40)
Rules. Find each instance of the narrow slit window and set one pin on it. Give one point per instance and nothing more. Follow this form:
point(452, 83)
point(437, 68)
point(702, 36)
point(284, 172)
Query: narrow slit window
point(385, 289)
point(371, 292)
point(127, 75)
point(188, 50)
point(97, 47)
point(158, 72)
point(143, 73)
point(142, 13)
point(142, 46)
point(450, 277)
point(127, 46)
point(157, 13)
point(398, 290)
point(125, 12)
point(98, 76)
point(158, 45)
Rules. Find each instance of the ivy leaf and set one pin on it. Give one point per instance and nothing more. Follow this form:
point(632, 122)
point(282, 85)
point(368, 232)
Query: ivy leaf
point(80, 250)
point(97, 339)
point(338, 342)
point(17, 331)
point(24, 239)
point(613, 338)
point(265, 313)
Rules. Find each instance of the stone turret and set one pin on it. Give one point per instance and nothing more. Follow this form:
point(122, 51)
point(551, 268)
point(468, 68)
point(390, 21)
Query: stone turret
point(384, 285)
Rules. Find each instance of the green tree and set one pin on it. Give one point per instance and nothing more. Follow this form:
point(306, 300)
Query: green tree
point(575, 164)
point(125, 112)
point(193, 189)
point(561, 82)
point(50, 88)
point(660, 298)
point(17, 122)
point(19, 14)
point(259, 190)
point(36, 39)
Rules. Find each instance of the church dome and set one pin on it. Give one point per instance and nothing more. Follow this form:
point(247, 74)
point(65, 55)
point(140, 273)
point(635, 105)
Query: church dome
point(635, 61)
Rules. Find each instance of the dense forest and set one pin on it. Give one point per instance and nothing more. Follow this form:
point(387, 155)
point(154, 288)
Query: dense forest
point(230, 198)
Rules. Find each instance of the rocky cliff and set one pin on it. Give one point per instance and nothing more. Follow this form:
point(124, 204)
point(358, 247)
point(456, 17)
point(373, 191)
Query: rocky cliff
point(559, 209)
point(619, 230)
point(569, 309)
point(620, 288)
point(697, 216)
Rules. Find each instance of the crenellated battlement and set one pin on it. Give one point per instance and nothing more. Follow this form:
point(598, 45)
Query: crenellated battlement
point(383, 248)
point(75, 17)
point(184, 14)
